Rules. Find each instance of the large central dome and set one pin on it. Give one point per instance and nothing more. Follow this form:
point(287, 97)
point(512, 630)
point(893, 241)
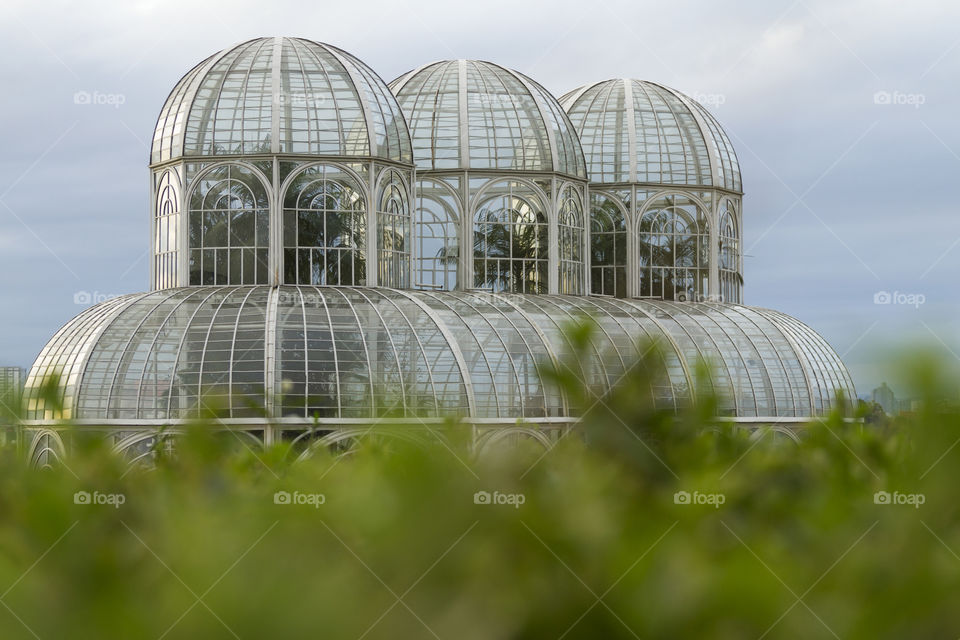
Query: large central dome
point(469, 114)
point(281, 96)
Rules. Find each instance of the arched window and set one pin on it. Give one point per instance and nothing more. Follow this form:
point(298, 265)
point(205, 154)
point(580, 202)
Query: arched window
point(229, 240)
point(608, 247)
point(324, 227)
point(510, 241)
point(570, 237)
point(438, 246)
point(731, 280)
point(393, 222)
point(166, 231)
point(672, 246)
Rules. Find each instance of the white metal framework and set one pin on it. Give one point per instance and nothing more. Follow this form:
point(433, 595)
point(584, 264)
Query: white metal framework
point(324, 228)
point(304, 355)
point(316, 270)
point(498, 163)
point(648, 148)
point(239, 139)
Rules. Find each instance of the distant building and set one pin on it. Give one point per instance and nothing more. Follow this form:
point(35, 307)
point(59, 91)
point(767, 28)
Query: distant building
point(883, 395)
point(12, 378)
point(909, 405)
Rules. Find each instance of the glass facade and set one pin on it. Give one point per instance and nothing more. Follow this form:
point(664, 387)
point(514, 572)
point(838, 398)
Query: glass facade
point(332, 353)
point(731, 281)
point(510, 241)
point(646, 144)
point(229, 227)
point(636, 131)
point(469, 114)
point(436, 234)
point(314, 266)
point(281, 95)
point(508, 142)
point(608, 246)
point(394, 224)
point(272, 150)
point(324, 228)
point(673, 250)
point(166, 231)
point(571, 234)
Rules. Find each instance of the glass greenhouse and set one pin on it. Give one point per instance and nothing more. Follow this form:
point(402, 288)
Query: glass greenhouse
point(327, 256)
point(665, 193)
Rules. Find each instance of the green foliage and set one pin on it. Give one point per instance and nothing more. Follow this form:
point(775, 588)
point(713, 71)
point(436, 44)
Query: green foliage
point(589, 541)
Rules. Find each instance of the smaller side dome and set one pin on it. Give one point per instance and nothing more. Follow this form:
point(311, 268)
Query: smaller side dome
point(281, 96)
point(469, 114)
point(643, 132)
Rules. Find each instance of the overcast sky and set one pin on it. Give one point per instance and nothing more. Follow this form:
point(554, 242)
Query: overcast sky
point(843, 115)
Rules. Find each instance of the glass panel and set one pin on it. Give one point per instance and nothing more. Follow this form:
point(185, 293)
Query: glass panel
point(166, 231)
point(731, 279)
point(393, 224)
point(227, 209)
point(324, 216)
point(570, 233)
point(608, 246)
point(510, 241)
point(673, 250)
point(438, 242)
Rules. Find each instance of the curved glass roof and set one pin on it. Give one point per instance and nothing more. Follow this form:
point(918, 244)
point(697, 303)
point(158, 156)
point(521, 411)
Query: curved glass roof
point(340, 353)
point(636, 131)
point(469, 114)
point(281, 95)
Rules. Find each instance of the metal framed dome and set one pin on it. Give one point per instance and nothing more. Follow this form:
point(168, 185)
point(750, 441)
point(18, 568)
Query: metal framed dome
point(285, 195)
point(334, 356)
point(642, 132)
point(470, 114)
point(281, 96)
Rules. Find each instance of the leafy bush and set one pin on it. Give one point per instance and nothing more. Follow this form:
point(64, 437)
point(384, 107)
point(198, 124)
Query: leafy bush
point(645, 524)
